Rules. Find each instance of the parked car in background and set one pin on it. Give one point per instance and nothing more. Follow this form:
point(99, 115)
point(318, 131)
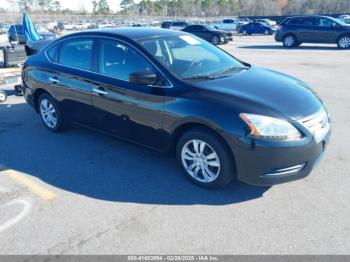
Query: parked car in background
point(294, 31)
point(165, 24)
point(3, 28)
point(45, 34)
point(345, 18)
point(209, 33)
point(228, 24)
point(256, 28)
point(223, 119)
point(179, 25)
point(16, 33)
point(268, 22)
point(245, 20)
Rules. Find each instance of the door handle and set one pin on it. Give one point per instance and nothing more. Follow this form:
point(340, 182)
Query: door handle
point(99, 91)
point(54, 80)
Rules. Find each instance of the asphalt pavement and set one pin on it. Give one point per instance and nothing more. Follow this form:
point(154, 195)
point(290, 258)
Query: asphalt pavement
point(80, 192)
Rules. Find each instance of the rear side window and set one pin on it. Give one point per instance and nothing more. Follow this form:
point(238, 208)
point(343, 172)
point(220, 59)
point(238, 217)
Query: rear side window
point(305, 21)
point(52, 53)
point(76, 53)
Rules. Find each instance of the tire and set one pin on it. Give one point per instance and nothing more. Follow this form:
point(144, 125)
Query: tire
point(344, 42)
point(3, 96)
point(215, 40)
point(244, 32)
point(214, 172)
point(290, 41)
point(50, 113)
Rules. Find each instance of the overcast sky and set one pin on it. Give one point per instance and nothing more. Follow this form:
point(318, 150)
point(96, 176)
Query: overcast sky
point(73, 4)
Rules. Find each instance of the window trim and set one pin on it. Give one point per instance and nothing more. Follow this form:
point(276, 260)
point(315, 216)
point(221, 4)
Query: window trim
point(95, 57)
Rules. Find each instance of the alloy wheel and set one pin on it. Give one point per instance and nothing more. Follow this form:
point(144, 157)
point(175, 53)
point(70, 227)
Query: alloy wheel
point(215, 40)
point(289, 41)
point(200, 161)
point(344, 42)
point(3, 97)
point(48, 113)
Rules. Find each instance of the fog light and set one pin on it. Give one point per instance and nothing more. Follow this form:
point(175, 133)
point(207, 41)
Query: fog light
point(286, 171)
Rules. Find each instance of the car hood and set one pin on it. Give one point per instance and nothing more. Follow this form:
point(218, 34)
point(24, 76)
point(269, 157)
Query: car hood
point(258, 90)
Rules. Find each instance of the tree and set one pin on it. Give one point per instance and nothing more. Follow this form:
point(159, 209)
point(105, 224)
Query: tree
point(100, 7)
point(25, 5)
point(56, 5)
point(103, 7)
point(125, 4)
point(45, 5)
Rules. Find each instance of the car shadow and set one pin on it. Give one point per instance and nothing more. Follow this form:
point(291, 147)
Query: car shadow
point(87, 163)
point(276, 47)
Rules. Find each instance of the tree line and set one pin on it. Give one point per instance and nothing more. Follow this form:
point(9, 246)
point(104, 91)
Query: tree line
point(198, 8)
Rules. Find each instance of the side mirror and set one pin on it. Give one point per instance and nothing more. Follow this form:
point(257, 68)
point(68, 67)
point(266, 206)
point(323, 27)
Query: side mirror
point(143, 78)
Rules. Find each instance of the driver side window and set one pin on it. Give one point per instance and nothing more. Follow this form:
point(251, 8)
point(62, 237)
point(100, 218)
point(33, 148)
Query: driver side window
point(119, 60)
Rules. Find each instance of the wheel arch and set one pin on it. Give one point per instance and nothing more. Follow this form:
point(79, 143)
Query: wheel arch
point(37, 93)
point(181, 129)
point(343, 34)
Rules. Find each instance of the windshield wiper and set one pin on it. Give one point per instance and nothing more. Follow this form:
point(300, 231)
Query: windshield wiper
point(198, 77)
point(228, 70)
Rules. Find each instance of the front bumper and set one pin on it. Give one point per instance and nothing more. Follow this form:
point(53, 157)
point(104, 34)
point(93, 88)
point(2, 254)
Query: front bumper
point(265, 164)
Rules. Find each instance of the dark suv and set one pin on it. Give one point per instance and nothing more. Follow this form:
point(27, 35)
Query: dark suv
point(294, 31)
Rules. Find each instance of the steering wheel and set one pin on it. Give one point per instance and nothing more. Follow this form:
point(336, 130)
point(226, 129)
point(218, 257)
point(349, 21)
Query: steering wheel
point(197, 62)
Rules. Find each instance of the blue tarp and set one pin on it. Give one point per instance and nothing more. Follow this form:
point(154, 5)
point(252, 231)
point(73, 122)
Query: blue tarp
point(30, 33)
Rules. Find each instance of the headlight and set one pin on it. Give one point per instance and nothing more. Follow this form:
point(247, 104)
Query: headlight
point(270, 128)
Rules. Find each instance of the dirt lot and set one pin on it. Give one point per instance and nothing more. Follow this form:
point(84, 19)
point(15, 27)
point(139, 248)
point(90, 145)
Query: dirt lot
point(83, 193)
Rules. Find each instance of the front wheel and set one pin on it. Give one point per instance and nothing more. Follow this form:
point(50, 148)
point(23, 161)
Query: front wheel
point(344, 42)
point(215, 40)
point(50, 113)
point(205, 158)
point(290, 41)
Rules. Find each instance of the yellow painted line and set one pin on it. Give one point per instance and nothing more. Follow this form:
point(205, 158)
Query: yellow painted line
point(23, 179)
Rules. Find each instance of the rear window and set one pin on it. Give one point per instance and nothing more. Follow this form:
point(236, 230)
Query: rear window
point(76, 53)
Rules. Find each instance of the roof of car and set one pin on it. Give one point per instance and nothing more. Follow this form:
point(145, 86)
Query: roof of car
point(133, 33)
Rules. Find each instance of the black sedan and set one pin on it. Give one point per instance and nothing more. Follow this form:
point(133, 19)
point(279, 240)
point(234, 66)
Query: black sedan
point(174, 92)
point(209, 33)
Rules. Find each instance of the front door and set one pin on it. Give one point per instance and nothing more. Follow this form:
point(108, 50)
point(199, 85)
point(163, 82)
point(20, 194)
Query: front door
point(128, 110)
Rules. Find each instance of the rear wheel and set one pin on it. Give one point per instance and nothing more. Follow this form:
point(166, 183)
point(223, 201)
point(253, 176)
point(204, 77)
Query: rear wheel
point(50, 113)
point(290, 41)
point(205, 159)
point(215, 40)
point(344, 42)
point(3, 96)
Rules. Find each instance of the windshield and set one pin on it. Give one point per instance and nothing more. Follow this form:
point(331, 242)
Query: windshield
point(341, 22)
point(189, 57)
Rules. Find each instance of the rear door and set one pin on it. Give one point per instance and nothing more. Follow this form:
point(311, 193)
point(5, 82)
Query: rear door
point(328, 30)
point(121, 108)
point(70, 75)
point(304, 28)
